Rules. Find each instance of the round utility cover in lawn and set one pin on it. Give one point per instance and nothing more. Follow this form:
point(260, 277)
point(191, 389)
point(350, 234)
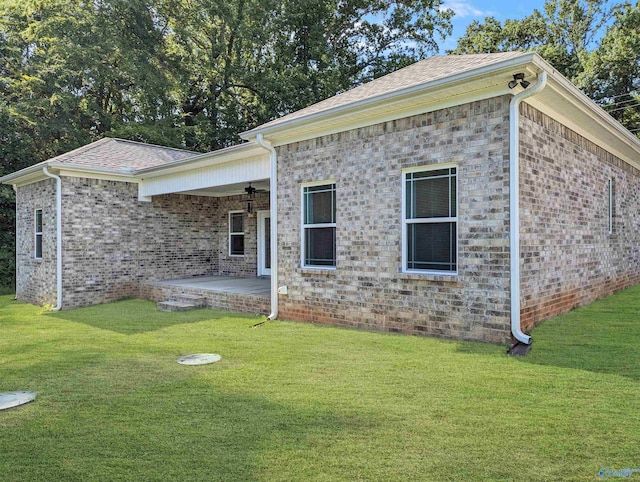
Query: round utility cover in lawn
point(199, 359)
point(15, 399)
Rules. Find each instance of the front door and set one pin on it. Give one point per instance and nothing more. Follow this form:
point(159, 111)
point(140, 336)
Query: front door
point(264, 243)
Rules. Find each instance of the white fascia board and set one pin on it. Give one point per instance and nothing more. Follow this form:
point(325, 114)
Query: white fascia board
point(229, 154)
point(210, 176)
point(418, 107)
point(35, 174)
point(96, 174)
point(392, 97)
point(591, 121)
point(25, 176)
point(26, 179)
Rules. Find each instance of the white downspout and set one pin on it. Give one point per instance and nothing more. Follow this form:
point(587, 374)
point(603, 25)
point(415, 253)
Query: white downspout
point(58, 235)
point(273, 202)
point(15, 189)
point(514, 203)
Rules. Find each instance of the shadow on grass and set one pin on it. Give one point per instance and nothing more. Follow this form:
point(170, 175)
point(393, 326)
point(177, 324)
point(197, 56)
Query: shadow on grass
point(603, 337)
point(160, 426)
point(130, 317)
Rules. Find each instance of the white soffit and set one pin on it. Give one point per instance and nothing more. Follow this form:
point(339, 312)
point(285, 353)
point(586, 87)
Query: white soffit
point(588, 120)
point(468, 86)
point(384, 111)
point(561, 100)
point(239, 171)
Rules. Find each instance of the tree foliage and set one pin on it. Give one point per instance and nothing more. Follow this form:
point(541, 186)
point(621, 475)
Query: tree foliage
point(612, 72)
point(184, 73)
point(593, 43)
point(562, 33)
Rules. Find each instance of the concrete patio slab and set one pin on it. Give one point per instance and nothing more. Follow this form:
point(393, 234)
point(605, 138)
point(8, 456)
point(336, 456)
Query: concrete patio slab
point(227, 284)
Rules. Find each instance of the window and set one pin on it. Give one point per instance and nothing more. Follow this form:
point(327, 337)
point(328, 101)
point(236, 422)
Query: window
point(610, 205)
point(38, 234)
point(236, 233)
point(430, 240)
point(319, 225)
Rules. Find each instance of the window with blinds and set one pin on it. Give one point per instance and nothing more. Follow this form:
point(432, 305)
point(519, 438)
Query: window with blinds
point(319, 225)
point(430, 220)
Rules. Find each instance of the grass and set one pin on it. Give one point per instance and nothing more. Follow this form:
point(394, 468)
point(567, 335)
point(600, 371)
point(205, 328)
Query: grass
point(294, 401)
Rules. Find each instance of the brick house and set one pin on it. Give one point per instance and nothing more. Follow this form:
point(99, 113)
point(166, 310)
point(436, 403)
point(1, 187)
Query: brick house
point(468, 197)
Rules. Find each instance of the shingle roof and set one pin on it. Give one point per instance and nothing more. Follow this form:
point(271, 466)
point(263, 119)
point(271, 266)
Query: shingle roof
point(119, 155)
point(428, 70)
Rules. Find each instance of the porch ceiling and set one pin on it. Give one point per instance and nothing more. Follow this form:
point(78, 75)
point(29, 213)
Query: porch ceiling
point(214, 178)
point(261, 185)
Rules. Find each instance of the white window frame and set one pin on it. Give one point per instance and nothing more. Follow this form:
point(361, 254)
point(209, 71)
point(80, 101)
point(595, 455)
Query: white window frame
point(610, 200)
point(406, 222)
point(238, 233)
point(38, 234)
point(304, 227)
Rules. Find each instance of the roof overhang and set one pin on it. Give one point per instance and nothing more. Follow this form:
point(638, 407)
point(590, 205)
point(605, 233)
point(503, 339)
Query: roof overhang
point(247, 150)
point(227, 170)
point(561, 100)
point(35, 174)
point(195, 175)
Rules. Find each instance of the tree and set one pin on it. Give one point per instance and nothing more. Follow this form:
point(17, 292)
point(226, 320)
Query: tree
point(612, 71)
point(185, 73)
point(243, 62)
point(563, 33)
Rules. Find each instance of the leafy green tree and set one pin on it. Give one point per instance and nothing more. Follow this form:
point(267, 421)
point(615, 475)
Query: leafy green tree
point(79, 70)
point(563, 33)
point(612, 71)
point(243, 62)
point(185, 73)
point(71, 72)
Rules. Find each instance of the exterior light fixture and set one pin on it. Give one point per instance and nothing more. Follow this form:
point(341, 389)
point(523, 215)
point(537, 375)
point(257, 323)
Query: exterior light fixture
point(251, 191)
point(519, 78)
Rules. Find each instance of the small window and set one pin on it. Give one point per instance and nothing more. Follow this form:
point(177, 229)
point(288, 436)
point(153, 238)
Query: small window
point(430, 221)
point(236, 233)
point(610, 205)
point(38, 234)
point(319, 226)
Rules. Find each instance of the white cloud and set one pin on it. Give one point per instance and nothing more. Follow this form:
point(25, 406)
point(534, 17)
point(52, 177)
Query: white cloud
point(465, 9)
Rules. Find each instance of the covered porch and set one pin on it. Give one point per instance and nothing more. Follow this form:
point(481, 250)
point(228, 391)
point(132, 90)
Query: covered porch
point(234, 225)
point(244, 295)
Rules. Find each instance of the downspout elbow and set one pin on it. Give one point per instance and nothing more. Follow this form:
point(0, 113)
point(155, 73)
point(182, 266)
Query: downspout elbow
point(273, 203)
point(46, 172)
point(514, 204)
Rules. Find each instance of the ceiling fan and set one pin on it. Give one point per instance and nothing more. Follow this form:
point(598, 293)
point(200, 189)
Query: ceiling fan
point(251, 191)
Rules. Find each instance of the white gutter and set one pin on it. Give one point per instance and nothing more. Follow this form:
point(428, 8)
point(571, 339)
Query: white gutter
point(273, 202)
point(58, 235)
point(514, 203)
point(462, 78)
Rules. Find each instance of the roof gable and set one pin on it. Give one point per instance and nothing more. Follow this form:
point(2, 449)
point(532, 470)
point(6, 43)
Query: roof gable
point(422, 72)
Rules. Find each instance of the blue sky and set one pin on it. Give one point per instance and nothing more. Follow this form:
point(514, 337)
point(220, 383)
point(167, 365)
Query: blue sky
point(468, 11)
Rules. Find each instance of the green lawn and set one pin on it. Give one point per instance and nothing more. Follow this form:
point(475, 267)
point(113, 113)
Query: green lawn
point(293, 401)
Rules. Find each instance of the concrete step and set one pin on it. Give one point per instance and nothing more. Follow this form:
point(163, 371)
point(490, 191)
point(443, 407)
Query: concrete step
point(196, 300)
point(176, 306)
